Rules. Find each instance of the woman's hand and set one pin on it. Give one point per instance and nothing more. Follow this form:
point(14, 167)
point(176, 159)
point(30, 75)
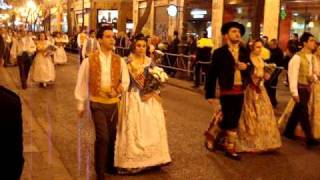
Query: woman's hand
point(267, 76)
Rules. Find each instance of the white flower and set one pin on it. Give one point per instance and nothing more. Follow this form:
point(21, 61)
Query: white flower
point(159, 74)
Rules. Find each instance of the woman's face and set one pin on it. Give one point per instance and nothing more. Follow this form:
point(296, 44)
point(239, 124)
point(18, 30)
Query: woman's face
point(42, 36)
point(140, 48)
point(257, 48)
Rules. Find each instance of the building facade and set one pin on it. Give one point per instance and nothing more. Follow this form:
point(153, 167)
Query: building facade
point(91, 14)
point(277, 19)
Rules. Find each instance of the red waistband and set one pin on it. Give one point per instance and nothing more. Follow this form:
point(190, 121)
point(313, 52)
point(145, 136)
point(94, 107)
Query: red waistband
point(303, 86)
point(237, 89)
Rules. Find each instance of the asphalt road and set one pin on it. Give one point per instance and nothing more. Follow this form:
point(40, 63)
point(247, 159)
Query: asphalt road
point(187, 114)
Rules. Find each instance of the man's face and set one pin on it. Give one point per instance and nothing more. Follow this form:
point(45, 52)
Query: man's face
point(311, 43)
point(107, 40)
point(273, 45)
point(93, 34)
point(234, 35)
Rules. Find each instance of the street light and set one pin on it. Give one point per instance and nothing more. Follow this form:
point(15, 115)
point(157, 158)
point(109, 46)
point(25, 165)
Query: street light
point(172, 10)
point(31, 5)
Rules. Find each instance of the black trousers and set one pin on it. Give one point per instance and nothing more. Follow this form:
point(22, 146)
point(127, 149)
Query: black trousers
point(231, 109)
point(24, 63)
point(197, 70)
point(105, 117)
point(300, 114)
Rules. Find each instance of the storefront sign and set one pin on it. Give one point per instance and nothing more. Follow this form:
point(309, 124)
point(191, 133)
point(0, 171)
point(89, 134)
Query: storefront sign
point(283, 13)
point(198, 13)
point(107, 16)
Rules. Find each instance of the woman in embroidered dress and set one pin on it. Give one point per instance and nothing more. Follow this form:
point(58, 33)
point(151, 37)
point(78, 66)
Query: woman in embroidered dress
point(42, 70)
point(257, 131)
point(141, 137)
point(315, 98)
point(60, 56)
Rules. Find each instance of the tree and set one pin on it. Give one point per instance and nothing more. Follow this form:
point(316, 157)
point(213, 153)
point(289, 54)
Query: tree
point(143, 20)
point(257, 18)
point(70, 32)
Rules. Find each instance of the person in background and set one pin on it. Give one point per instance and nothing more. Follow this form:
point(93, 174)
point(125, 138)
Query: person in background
point(203, 54)
point(42, 70)
point(174, 49)
point(81, 38)
point(265, 40)
point(11, 132)
point(60, 56)
point(277, 59)
point(50, 38)
point(14, 48)
point(26, 50)
point(90, 45)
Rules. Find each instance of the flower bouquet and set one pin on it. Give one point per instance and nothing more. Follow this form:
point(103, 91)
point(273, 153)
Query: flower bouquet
point(155, 77)
point(50, 50)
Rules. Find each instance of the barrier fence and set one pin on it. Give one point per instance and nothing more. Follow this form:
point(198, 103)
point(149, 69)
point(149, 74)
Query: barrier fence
point(173, 63)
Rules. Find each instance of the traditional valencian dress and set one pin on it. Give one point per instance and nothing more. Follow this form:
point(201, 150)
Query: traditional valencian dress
point(314, 102)
point(141, 136)
point(60, 56)
point(257, 129)
point(42, 69)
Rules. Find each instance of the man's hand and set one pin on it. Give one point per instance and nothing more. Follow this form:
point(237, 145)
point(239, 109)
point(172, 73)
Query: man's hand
point(296, 99)
point(311, 79)
point(267, 76)
point(242, 66)
point(81, 113)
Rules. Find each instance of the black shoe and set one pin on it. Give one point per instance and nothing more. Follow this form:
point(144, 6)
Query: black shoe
point(233, 155)
point(195, 86)
point(312, 143)
point(111, 171)
point(290, 136)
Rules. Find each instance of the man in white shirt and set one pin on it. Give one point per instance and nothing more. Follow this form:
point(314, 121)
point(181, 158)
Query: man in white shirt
point(81, 38)
point(102, 78)
point(301, 77)
point(90, 45)
point(26, 50)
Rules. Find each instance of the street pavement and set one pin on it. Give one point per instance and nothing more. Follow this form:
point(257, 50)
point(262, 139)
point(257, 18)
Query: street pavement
point(59, 146)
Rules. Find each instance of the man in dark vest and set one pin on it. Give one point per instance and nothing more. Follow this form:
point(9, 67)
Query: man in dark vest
point(230, 66)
